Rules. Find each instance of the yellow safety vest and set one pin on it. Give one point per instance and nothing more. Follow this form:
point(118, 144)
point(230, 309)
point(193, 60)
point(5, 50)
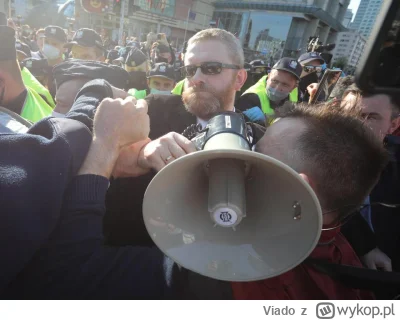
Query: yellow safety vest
point(260, 90)
point(30, 81)
point(178, 88)
point(35, 108)
point(138, 94)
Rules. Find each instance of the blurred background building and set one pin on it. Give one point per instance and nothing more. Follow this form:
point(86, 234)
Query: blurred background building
point(365, 18)
point(273, 29)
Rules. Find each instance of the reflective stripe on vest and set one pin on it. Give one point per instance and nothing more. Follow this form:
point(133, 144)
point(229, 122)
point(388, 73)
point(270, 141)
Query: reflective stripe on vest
point(35, 108)
point(178, 88)
point(138, 94)
point(260, 90)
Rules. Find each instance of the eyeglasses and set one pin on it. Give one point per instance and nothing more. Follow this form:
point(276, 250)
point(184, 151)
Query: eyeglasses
point(309, 69)
point(208, 68)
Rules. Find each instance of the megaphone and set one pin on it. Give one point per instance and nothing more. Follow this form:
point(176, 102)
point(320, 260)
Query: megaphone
point(229, 213)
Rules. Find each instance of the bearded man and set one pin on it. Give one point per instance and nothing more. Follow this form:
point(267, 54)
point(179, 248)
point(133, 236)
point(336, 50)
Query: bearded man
point(214, 63)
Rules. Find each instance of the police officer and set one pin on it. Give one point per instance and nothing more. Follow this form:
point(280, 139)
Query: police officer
point(161, 80)
point(53, 46)
point(137, 65)
point(14, 94)
point(87, 45)
point(34, 75)
point(312, 68)
point(271, 91)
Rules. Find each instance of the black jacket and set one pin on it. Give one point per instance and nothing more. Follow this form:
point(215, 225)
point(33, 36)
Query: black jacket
point(51, 238)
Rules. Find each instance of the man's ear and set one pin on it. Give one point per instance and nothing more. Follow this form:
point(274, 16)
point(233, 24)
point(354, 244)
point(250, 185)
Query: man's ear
point(148, 83)
point(395, 123)
point(240, 79)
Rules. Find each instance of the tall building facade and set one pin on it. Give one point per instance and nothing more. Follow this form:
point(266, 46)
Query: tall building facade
point(280, 27)
point(366, 15)
point(350, 45)
point(347, 18)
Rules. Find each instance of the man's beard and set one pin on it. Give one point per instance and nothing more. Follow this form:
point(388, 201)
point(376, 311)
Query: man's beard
point(205, 102)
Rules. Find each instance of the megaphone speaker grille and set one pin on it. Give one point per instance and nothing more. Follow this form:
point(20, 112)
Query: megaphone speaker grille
point(280, 227)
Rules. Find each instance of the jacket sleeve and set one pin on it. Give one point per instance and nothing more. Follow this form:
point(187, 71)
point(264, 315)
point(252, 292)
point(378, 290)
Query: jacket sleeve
point(247, 101)
point(35, 169)
point(76, 264)
point(87, 100)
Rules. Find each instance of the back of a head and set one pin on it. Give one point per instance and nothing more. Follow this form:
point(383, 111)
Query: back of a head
point(232, 43)
point(341, 86)
point(339, 153)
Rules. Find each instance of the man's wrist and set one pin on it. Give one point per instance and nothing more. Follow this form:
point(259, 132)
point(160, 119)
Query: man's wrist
point(100, 159)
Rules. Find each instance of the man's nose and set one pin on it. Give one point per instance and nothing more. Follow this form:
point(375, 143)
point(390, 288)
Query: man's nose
point(197, 79)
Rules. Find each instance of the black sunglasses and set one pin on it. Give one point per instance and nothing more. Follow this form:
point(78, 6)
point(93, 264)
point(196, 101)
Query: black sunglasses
point(309, 69)
point(208, 68)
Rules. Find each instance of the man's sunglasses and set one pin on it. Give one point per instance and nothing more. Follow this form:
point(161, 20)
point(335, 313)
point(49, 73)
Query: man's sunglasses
point(309, 69)
point(208, 68)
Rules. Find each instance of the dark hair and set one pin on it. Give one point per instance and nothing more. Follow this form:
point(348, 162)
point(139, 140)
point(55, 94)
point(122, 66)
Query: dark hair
point(341, 86)
point(338, 152)
point(394, 98)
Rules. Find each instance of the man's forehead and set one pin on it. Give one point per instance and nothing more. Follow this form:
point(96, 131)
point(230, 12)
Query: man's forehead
point(205, 51)
point(377, 103)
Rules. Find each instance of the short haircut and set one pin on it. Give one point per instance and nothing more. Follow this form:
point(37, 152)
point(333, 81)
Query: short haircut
point(338, 152)
point(394, 98)
point(228, 39)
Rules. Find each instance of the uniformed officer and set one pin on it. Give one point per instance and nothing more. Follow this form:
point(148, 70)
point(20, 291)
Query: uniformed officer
point(14, 94)
point(87, 45)
point(271, 91)
point(137, 65)
point(161, 80)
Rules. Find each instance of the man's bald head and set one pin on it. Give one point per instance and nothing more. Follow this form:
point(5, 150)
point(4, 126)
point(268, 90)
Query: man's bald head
point(66, 93)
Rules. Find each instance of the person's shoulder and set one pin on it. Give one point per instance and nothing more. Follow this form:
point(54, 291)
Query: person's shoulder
point(247, 101)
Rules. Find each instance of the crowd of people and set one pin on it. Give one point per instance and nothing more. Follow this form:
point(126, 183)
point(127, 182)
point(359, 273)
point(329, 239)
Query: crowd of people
point(83, 130)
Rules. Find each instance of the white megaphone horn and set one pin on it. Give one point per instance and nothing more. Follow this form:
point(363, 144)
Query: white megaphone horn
point(230, 213)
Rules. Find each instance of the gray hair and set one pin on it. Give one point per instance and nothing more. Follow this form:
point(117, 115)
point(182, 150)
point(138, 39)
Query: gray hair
point(228, 39)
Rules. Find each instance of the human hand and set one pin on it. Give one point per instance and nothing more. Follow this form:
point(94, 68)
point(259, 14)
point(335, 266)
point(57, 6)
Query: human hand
point(158, 153)
point(127, 162)
point(312, 90)
point(121, 122)
point(255, 114)
point(376, 259)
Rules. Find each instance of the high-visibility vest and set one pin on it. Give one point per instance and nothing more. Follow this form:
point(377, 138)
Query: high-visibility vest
point(178, 88)
point(35, 108)
point(138, 94)
point(260, 90)
point(30, 81)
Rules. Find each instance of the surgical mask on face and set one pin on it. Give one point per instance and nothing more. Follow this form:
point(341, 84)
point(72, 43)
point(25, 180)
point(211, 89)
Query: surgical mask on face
point(57, 115)
point(50, 51)
point(275, 95)
point(155, 91)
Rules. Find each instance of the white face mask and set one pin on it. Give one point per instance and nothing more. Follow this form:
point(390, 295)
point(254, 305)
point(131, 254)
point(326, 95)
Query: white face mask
point(57, 115)
point(155, 91)
point(50, 51)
